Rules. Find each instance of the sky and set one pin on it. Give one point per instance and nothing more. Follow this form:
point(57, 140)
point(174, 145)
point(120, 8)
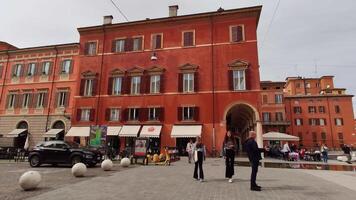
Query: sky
point(308, 38)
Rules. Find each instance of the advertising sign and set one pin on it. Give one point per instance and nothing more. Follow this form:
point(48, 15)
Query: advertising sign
point(97, 135)
point(141, 147)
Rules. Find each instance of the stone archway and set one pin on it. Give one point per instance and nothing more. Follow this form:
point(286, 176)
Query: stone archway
point(240, 118)
point(59, 125)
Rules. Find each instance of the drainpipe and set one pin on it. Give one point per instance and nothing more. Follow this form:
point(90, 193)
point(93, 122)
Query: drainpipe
point(100, 77)
point(52, 86)
point(213, 82)
point(4, 78)
point(330, 122)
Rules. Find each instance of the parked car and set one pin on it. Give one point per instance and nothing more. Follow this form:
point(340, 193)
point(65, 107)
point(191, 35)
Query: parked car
point(60, 152)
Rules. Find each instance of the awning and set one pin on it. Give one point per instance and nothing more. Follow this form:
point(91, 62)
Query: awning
point(186, 131)
point(113, 130)
point(78, 132)
point(276, 136)
point(151, 131)
point(15, 133)
point(52, 133)
point(129, 131)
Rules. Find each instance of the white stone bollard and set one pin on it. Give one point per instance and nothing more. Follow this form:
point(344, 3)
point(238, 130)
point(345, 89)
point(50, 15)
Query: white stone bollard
point(341, 158)
point(107, 165)
point(30, 180)
point(125, 162)
point(79, 170)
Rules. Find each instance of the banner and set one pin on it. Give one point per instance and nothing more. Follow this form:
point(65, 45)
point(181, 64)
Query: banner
point(141, 147)
point(97, 135)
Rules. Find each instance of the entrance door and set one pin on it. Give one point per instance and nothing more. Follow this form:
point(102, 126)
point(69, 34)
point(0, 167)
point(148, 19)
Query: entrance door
point(181, 144)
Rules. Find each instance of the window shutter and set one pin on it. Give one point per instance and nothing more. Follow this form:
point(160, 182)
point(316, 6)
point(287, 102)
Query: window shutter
point(7, 100)
point(61, 67)
point(147, 84)
point(82, 87)
point(79, 114)
point(95, 86)
point(13, 70)
point(230, 74)
point(45, 100)
point(162, 84)
point(50, 68)
point(180, 82)
point(110, 85)
point(113, 46)
point(143, 84)
point(179, 114)
point(30, 101)
point(71, 66)
point(161, 114)
point(234, 34)
point(92, 115)
point(1, 68)
point(86, 48)
point(196, 82)
point(186, 39)
point(128, 44)
point(18, 99)
point(22, 71)
point(55, 102)
point(139, 43)
point(33, 102)
point(196, 113)
point(66, 100)
point(127, 85)
point(342, 121)
point(158, 41)
point(143, 114)
point(107, 114)
point(124, 115)
point(301, 121)
point(239, 34)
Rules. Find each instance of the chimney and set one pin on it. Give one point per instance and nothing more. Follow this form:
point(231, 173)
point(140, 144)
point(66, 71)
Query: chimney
point(108, 19)
point(173, 10)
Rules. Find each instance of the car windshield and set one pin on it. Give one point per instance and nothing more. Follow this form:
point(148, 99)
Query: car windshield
point(73, 144)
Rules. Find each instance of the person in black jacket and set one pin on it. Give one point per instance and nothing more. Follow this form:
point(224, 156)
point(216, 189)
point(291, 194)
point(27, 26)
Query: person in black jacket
point(254, 156)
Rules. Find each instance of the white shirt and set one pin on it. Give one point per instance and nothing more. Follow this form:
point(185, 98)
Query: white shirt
point(285, 148)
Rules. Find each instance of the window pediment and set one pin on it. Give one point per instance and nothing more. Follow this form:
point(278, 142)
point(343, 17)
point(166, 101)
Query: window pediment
point(136, 71)
point(117, 72)
point(238, 64)
point(89, 74)
point(155, 70)
point(188, 68)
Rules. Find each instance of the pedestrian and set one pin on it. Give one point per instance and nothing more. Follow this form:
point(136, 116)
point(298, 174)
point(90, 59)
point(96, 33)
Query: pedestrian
point(285, 150)
point(347, 152)
point(254, 156)
point(324, 152)
point(189, 150)
point(229, 154)
point(199, 156)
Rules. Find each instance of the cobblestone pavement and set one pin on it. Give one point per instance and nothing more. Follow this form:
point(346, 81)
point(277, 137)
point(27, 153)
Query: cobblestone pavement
point(176, 183)
point(52, 178)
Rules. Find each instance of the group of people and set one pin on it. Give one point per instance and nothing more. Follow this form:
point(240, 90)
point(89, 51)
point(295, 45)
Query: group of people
point(197, 152)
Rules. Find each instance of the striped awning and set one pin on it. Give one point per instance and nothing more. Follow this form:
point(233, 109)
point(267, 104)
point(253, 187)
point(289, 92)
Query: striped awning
point(186, 131)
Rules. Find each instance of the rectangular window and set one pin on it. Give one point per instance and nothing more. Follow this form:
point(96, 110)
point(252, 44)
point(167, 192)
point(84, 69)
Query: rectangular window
point(135, 85)
point(62, 98)
point(88, 87)
point(278, 98)
point(17, 70)
point(312, 109)
point(157, 41)
point(31, 69)
point(266, 117)
point(239, 80)
point(40, 100)
point(133, 114)
point(322, 122)
point(12, 101)
point(153, 114)
point(265, 99)
point(298, 122)
point(90, 48)
point(339, 121)
point(120, 45)
point(45, 68)
point(26, 100)
point(188, 38)
point(188, 82)
point(155, 84)
point(137, 43)
point(117, 86)
point(313, 122)
point(307, 85)
point(322, 109)
point(188, 113)
point(85, 115)
point(237, 33)
point(297, 109)
point(65, 68)
point(279, 116)
point(337, 109)
point(114, 114)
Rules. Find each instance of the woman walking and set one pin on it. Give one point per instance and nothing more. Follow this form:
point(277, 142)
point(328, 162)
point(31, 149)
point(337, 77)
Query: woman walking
point(324, 152)
point(230, 151)
point(199, 156)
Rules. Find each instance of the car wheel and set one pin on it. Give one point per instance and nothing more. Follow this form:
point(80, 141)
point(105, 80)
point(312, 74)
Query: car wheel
point(76, 159)
point(35, 161)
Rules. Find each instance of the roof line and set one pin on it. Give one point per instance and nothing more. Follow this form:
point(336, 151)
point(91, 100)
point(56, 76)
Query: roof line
point(40, 47)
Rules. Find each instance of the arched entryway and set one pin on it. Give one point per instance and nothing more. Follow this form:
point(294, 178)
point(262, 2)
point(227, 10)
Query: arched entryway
point(59, 125)
point(242, 118)
point(20, 140)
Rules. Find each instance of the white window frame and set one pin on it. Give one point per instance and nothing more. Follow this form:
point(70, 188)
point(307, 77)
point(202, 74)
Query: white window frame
point(62, 96)
point(266, 117)
point(45, 68)
point(243, 32)
point(40, 100)
point(85, 114)
point(278, 98)
point(190, 113)
point(88, 87)
point(135, 85)
point(66, 64)
point(135, 116)
point(116, 85)
point(239, 79)
point(114, 114)
point(298, 122)
point(322, 122)
point(155, 84)
point(92, 46)
point(338, 122)
point(188, 82)
point(154, 112)
point(135, 46)
point(18, 68)
point(31, 69)
point(26, 100)
point(12, 101)
point(120, 45)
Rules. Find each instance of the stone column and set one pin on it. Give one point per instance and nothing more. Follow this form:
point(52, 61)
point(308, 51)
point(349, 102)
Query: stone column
point(259, 138)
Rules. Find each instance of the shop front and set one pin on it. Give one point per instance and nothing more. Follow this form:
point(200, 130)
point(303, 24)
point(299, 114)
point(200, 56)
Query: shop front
point(79, 135)
point(183, 134)
point(113, 140)
point(129, 133)
point(153, 133)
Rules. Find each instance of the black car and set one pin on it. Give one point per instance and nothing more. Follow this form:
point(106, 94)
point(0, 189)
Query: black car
point(60, 152)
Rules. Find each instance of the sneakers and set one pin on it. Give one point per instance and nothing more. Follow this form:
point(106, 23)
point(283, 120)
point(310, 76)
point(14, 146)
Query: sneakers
point(230, 180)
point(201, 180)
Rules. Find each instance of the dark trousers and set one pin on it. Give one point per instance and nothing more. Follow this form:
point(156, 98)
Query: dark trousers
point(199, 164)
point(254, 166)
point(229, 162)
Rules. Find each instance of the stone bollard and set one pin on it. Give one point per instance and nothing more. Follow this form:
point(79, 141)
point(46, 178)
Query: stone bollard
point(125, 162)
point(107, 165)
point(30, 180)
point(79, 170)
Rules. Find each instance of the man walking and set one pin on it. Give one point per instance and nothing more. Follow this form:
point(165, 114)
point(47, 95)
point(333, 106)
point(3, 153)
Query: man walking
point(189, 150)
point(254, 156)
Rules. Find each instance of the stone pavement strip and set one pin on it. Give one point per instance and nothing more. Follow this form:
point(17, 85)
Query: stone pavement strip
point(176, 183)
